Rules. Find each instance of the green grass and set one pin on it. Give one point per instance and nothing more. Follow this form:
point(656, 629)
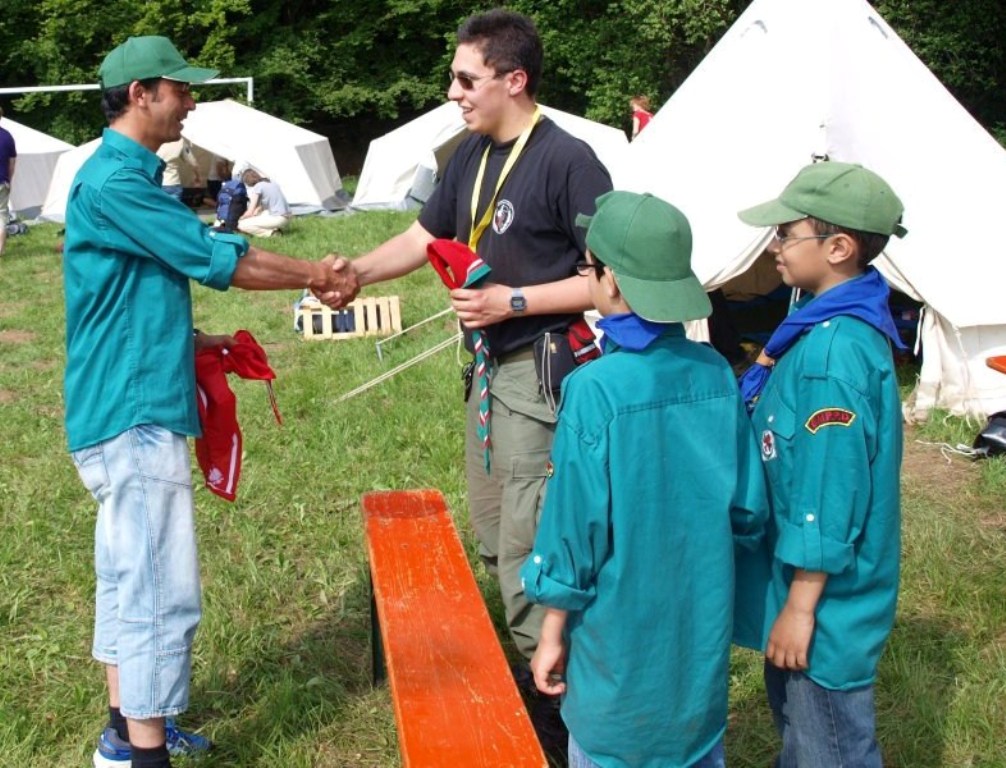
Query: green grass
point(282, 666)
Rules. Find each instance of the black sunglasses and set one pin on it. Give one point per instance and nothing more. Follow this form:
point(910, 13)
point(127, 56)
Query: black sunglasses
point(585, 268)
point(467, 82)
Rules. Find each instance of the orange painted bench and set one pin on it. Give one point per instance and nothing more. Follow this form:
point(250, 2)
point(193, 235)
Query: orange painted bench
point(997, 363)
point(455, 700)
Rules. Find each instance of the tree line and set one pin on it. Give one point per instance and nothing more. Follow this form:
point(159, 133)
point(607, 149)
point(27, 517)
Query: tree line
point(352, 70)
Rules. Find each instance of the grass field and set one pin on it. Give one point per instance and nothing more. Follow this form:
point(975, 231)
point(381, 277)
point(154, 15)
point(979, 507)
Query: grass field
point(282, 668)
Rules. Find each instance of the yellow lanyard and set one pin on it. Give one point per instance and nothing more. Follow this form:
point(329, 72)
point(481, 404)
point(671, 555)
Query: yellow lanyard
point(518, 147)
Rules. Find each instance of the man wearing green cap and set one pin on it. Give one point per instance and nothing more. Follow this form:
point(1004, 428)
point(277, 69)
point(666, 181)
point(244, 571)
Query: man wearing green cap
point(654, 475)
point(130, 252)
point(819, 597)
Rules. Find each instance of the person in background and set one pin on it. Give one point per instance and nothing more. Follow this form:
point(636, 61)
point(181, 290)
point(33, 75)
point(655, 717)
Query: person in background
point(8, 160)
point(130, 253)
point(641, 115)
point(181, 167)
point(268, 211)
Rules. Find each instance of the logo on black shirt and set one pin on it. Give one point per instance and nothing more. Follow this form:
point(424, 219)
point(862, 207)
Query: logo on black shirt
point(503, 217)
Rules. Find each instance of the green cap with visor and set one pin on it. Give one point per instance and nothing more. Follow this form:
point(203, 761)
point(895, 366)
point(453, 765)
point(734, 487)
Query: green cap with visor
point(142, 58)
point(647, 243)
point(843, 194)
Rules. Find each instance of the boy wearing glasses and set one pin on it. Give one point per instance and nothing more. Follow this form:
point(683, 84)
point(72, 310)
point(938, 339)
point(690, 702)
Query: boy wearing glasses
point(653, 476)
point(511, 191)
point(819, 597)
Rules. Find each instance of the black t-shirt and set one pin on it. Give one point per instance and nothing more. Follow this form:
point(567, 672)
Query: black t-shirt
point(533, 237)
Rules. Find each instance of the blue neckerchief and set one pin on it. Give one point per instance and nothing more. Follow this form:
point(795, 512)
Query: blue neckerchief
point(863, 297)
point(630, 331)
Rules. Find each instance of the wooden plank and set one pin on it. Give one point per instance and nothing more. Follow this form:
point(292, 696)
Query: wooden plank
point(455, 699)
point(997, 363)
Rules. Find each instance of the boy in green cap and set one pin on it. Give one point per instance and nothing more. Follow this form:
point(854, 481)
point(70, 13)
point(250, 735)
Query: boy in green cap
point(653, 472)
point(819, 596)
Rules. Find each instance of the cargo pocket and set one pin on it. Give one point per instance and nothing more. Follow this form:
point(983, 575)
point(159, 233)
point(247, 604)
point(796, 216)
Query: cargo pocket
point(523, 496)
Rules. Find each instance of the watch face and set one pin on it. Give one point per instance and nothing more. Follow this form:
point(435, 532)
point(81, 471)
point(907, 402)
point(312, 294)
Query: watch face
point(517, 302)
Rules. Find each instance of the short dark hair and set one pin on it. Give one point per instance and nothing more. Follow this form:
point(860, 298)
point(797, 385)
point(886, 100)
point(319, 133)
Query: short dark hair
point(870, 244)
point(115, 100)
point(508, 41)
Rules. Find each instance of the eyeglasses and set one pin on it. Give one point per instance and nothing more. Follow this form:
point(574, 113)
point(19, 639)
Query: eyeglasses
point(467, 82)
point(783, 238)
point(585, 268)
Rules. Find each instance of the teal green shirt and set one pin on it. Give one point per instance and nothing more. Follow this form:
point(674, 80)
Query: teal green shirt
point(829, 424)
point(129, 253)
point(656, 469)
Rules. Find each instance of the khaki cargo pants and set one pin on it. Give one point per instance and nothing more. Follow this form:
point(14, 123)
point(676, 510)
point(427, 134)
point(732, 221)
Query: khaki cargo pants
point(506, 504)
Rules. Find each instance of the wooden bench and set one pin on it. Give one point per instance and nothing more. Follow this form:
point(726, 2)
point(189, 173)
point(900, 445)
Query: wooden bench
point(455, 700)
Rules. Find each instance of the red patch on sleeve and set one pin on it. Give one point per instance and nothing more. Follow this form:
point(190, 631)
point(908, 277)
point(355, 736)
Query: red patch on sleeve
point(829, 417)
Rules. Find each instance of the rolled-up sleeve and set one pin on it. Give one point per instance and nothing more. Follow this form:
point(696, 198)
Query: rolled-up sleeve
point(152, 224)
point(573, 537)
point(831, 478)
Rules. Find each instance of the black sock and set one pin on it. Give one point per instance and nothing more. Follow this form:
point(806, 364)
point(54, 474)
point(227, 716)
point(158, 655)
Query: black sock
point(155, 757)
point(118, 722)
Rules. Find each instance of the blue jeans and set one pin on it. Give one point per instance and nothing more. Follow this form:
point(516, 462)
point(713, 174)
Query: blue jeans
point(821, 728)
point(147, 601)
point(714, 758)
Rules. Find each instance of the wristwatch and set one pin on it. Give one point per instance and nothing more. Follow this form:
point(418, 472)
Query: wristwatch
point(517, 301)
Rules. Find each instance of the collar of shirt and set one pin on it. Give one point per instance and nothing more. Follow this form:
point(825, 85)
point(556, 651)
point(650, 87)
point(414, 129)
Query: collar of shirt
point(146, 161)
point(630, 331)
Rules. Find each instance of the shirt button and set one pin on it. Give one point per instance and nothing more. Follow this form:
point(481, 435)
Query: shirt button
point(771, 419)
point(537, 559)
point(810, 518)
point(826, 323)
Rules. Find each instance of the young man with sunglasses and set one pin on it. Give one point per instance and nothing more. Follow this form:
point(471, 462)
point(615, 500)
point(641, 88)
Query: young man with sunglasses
point(130, 251)
point(512, 191)
point(819, 597)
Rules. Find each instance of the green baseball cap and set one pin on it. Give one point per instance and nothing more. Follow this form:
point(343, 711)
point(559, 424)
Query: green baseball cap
point(842, 194)
point(141, 58)
point(647, 243)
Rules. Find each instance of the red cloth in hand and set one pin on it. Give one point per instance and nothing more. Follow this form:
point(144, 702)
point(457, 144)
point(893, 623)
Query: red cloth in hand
point(218, 451)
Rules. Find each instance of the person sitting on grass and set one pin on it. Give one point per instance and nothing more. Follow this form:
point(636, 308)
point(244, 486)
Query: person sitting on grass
point(653, 476)
point(268, 211)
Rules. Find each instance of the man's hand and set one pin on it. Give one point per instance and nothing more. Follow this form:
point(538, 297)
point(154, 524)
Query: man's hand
point(480, 307)
point(339, 282)
point(204, 340)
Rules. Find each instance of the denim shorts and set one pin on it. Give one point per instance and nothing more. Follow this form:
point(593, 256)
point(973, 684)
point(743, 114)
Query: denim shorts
point(147, 600)
point(820, 726)
point(714, 758)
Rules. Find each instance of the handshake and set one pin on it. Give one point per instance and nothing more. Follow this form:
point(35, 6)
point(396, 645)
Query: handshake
point(335, 282)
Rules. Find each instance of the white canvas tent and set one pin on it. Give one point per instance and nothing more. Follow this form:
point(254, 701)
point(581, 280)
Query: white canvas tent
point(298, 160)
point(400, 166)
point(37, 154)
point(795, 80)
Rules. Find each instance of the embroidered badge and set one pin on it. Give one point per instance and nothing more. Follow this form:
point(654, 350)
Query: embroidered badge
point(549, 469)
point(829, 417)
point(503, 216)
point(768, 445)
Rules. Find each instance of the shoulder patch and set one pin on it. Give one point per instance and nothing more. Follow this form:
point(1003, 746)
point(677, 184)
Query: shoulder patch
point(549, 468)
point(829, 417)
